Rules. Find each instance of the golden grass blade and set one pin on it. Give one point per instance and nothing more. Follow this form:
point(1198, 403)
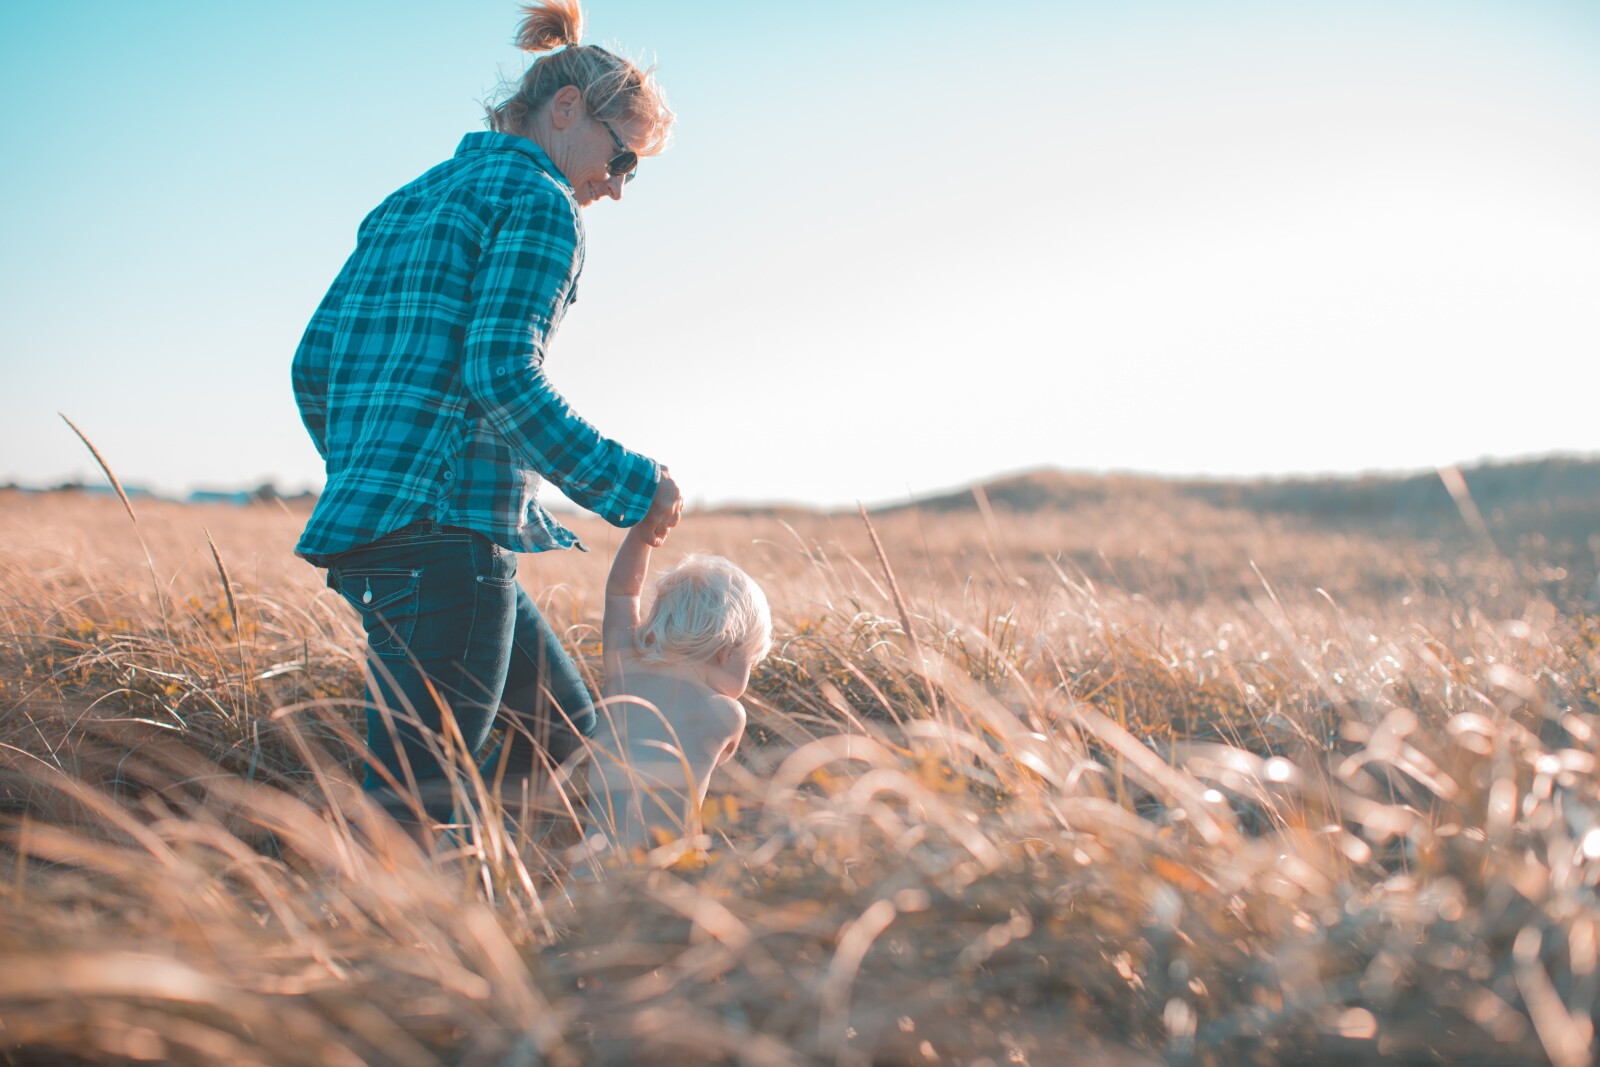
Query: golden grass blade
point(233, 614)
point(104, 466)
point(105, 974)
point(227, 584)
point(1456, 483)
point(855, 937)
point(128, 507)
point(1161, 775)
point(900, 606)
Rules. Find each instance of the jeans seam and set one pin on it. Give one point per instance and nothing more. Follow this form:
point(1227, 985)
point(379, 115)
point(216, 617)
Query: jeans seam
point(416, 539)
point(478, 545)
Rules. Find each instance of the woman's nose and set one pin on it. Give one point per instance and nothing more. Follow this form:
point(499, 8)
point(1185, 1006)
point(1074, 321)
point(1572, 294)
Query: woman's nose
point(614, 186)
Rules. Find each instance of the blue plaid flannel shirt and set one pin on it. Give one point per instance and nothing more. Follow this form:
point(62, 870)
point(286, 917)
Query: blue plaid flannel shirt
point(421, 375)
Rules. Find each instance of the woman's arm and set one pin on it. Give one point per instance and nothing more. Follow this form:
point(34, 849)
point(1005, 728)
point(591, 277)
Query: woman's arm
point(521, 286)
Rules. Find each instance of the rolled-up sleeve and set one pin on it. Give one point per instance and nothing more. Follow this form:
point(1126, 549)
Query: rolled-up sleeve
point(525, 273)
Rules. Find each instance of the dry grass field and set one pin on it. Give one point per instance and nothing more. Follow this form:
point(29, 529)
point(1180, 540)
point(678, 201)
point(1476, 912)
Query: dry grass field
point(1150, 780)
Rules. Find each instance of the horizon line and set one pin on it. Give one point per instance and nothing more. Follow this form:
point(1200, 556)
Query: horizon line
point(268, 490)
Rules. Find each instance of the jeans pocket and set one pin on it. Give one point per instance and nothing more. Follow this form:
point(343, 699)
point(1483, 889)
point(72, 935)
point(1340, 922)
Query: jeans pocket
point(387, 599)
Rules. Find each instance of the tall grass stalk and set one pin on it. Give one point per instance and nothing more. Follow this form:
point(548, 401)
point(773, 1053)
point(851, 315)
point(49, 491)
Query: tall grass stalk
point(127, 506)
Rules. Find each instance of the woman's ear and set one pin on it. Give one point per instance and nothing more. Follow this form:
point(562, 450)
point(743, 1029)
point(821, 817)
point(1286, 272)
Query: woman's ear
point(566, 107)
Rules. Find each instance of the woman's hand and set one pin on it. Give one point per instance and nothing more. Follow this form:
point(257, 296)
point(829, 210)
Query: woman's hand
point(666, 508)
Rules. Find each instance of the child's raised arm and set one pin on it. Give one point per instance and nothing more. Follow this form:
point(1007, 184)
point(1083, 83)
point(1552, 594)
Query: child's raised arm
point(623, 586)
point(628, 570)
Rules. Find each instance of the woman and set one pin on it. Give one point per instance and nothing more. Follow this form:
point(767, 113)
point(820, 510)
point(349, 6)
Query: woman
point(421, 380)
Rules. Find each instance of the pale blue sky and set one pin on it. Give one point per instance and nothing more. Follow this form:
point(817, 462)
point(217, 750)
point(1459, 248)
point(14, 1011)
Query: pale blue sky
point(896, 247)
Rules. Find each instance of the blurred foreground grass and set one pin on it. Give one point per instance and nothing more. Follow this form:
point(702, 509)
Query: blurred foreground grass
point(1148, 782)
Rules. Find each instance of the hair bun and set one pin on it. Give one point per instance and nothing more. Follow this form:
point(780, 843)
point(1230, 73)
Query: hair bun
point(549, 25)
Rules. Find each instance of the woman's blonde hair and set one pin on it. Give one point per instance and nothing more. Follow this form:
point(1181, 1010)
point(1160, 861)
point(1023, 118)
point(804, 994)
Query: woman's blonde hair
point(704, 605)
point(612, 87)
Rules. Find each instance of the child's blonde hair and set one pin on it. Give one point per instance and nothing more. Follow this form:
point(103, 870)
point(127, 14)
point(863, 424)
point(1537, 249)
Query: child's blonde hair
point(704, 605)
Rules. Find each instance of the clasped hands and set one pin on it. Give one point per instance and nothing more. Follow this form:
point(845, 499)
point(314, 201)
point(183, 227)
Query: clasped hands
point(666, 508)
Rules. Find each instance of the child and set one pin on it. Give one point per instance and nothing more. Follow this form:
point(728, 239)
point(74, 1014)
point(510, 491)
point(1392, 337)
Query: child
point(670, 712)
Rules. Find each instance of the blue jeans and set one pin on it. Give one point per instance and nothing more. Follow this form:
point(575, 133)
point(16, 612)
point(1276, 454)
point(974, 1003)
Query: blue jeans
point(441, 606)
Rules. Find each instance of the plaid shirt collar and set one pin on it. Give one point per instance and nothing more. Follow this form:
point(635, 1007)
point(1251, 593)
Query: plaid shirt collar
point(489, 141)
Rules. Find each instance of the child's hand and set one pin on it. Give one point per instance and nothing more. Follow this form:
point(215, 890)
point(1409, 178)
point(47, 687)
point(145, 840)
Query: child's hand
point(665, 510)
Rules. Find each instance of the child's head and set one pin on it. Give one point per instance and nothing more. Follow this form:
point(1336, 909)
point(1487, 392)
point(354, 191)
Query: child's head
point(706, 610)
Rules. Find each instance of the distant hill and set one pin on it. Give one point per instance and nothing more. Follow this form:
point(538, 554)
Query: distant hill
point(1554, 498)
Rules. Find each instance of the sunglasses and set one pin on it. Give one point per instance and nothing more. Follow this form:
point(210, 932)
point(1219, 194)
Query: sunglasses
point(626, 161)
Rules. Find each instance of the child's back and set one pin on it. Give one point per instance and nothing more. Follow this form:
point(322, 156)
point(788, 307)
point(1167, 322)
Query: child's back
point(670, 712)
point(660, 736)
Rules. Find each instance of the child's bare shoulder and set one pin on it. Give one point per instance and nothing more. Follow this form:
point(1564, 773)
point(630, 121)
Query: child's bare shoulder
point(728, 710)
point(710, 711)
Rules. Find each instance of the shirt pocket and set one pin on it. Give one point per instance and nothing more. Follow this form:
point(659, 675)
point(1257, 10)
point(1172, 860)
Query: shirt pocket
point(388, 600)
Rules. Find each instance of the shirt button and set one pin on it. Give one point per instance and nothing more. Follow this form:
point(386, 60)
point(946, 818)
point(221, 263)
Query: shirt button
point(499, 372)
point(449, 475)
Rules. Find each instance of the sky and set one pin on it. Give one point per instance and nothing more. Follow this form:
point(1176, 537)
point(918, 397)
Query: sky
point(895, 248)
